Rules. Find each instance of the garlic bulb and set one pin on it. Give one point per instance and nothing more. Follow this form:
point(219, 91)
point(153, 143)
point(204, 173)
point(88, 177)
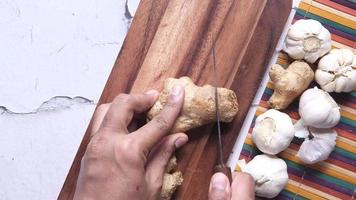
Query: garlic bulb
point(307, 39)
point(337, 71)
point(273, 132)
point(269, 172)
point(318, 146)
point(318, 109)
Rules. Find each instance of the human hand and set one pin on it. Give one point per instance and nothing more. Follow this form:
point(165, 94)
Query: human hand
point(242, 187)
point(122, 165)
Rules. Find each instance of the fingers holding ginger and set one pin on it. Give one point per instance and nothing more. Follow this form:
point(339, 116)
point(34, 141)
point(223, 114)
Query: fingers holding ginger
point(198, 109)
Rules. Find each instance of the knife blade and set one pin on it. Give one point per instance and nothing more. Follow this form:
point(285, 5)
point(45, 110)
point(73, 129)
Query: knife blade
point(220, 167)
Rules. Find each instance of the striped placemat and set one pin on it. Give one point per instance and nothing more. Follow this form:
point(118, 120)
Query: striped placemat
point(334, 178)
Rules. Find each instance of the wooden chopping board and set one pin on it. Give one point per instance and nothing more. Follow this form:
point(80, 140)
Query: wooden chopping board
point(173, 38)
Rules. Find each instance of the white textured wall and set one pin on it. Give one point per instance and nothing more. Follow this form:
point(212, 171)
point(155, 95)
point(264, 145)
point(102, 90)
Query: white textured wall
point(55, 57)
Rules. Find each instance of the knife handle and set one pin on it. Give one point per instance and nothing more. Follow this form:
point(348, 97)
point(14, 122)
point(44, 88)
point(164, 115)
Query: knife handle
point(225, 170)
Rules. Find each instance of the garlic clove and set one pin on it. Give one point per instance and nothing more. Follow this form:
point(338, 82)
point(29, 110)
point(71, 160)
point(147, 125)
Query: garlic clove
point(297, 52)
point(270, 175)
point(312, 57)
point(301, 130)
point(347, 81)
point(345, 56)
point(330, 87)
point(336, 54)
point(341, 84)
point(273, 132)
point(325, 36)
point(323, 32)
point(291, 41)
point(313, 27)
point(324, 77)
point(297, 33)
point(319, 147)
point(329, 63)
point(352, 86)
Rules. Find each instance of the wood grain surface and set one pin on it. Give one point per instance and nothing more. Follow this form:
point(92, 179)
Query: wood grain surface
point(172, 38)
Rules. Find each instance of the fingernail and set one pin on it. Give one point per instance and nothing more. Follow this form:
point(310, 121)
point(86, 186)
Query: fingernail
point(176, 92)
point(219, 182)
point(180, 142)
point(151, 92)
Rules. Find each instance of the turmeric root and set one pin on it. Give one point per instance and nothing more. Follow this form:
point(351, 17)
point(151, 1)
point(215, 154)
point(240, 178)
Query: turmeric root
point(289, 83)
point(171, 180)
point(199, 104)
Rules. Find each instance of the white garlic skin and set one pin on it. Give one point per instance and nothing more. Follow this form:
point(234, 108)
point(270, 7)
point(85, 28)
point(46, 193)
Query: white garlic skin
point(318, 109)
point(337, 71)
point(270, 174)
point(307, 39)
point(273, 132)
point(301, 130)
point(319, 147)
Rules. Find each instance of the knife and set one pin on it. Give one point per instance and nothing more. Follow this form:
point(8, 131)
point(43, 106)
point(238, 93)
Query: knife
point(221, 166)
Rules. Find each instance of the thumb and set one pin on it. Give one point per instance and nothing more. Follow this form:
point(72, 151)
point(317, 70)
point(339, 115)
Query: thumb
point(219, 188)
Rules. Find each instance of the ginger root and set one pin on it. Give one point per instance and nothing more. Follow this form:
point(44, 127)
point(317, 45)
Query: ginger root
point(170, 184)
point(171, 180)
point(199, 104)
point(289, 83)
point(172, 163)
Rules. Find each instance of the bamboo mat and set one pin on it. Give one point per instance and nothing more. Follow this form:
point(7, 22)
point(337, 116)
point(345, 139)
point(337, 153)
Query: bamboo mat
point(334, 178)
